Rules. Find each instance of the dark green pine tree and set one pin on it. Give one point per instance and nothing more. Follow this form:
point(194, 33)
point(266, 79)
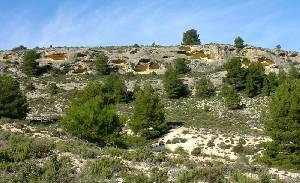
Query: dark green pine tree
point(204, 87)
point(254, 79)
point(293, 72)
point(30, 67)
point(12, 102)
point(270, 84)
point(239, 42)
point(282, 124)
point(231, 97)
point(236, 75)
point(91, 116)
point(102, 66)
point(181, 66)
point(115, 89)
point(149, 116)
point(191, 37)
point(282, 76)
point(172, 84)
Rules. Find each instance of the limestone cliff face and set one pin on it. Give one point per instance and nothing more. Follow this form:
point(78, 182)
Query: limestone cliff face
point(145, 60)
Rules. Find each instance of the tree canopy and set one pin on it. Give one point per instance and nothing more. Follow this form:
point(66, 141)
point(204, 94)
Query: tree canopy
point(236, 75)
point(191, 37)
point(204, 87)
point(12, 102)
point(173, 85)
point(91, 116)
point(282, 124)
point(30, 66)
point(239, 42)
point(255, 75)
point(102, 66)
point(149, 116)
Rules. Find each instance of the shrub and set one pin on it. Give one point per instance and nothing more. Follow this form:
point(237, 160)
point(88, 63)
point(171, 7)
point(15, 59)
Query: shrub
point(282, 125)
point(282, 76)
point(53, 89)
point(12, 102)
point(30, 86)
point(19, 48)
point(236, 75)
point(135, 45)
point(102, 66)
point(19, 147)
point(115, 89)
point(239, 42)
point(231, 97)
point(180, 150)
point(181, 66)
point(238, 177)
point(93, 120)
point(136, 177)
point(157, 175)
point(270, 84)
point(278, 47)
point(254, 79)
point(101, 169)
point(293, 72)
point(149, 116)
point(112, 91)
point(140, 155)
point(213, 174)
point(136, 89)
point(30, 66)
point(57, 170)
point(191, 37)
point(204, 88)
point(176, 140)
point(210, 143)
point(196, 151)
point(173, 86)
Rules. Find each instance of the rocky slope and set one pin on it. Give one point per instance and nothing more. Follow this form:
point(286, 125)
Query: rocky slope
point(228, 139)
point(145, 60)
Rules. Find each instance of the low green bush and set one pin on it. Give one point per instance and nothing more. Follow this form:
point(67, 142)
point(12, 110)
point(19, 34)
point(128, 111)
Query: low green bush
point(101, 169)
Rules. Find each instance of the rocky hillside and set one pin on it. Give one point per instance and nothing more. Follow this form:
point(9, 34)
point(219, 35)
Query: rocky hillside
point(204, 139)
point(145, 60)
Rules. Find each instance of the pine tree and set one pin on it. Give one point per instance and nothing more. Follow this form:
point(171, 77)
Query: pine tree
point(180, 66)
point(204, 87)
point(30, 66)
point(173, 86)
point(293, 72)
point(239, 42)
point(236, 75)
point(149, 117)
point(282, 76)
point(270, 83)
point(12, 102)
point(191, 37)
point(231, 97)
point(254, 79)
point(102, 66)
point(91, 116)
point(115, 89)
point(282, 124)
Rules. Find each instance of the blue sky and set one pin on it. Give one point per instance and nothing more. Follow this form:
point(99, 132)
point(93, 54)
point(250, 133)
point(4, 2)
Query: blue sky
point(264, 23)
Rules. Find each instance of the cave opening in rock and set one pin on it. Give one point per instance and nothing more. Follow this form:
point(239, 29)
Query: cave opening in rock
point(153, 66)
point(141, 67)
point(57, 56)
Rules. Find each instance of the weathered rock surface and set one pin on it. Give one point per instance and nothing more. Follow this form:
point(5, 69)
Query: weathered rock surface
point(145, 60)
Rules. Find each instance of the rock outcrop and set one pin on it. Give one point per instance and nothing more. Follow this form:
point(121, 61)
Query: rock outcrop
point(145, 60)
